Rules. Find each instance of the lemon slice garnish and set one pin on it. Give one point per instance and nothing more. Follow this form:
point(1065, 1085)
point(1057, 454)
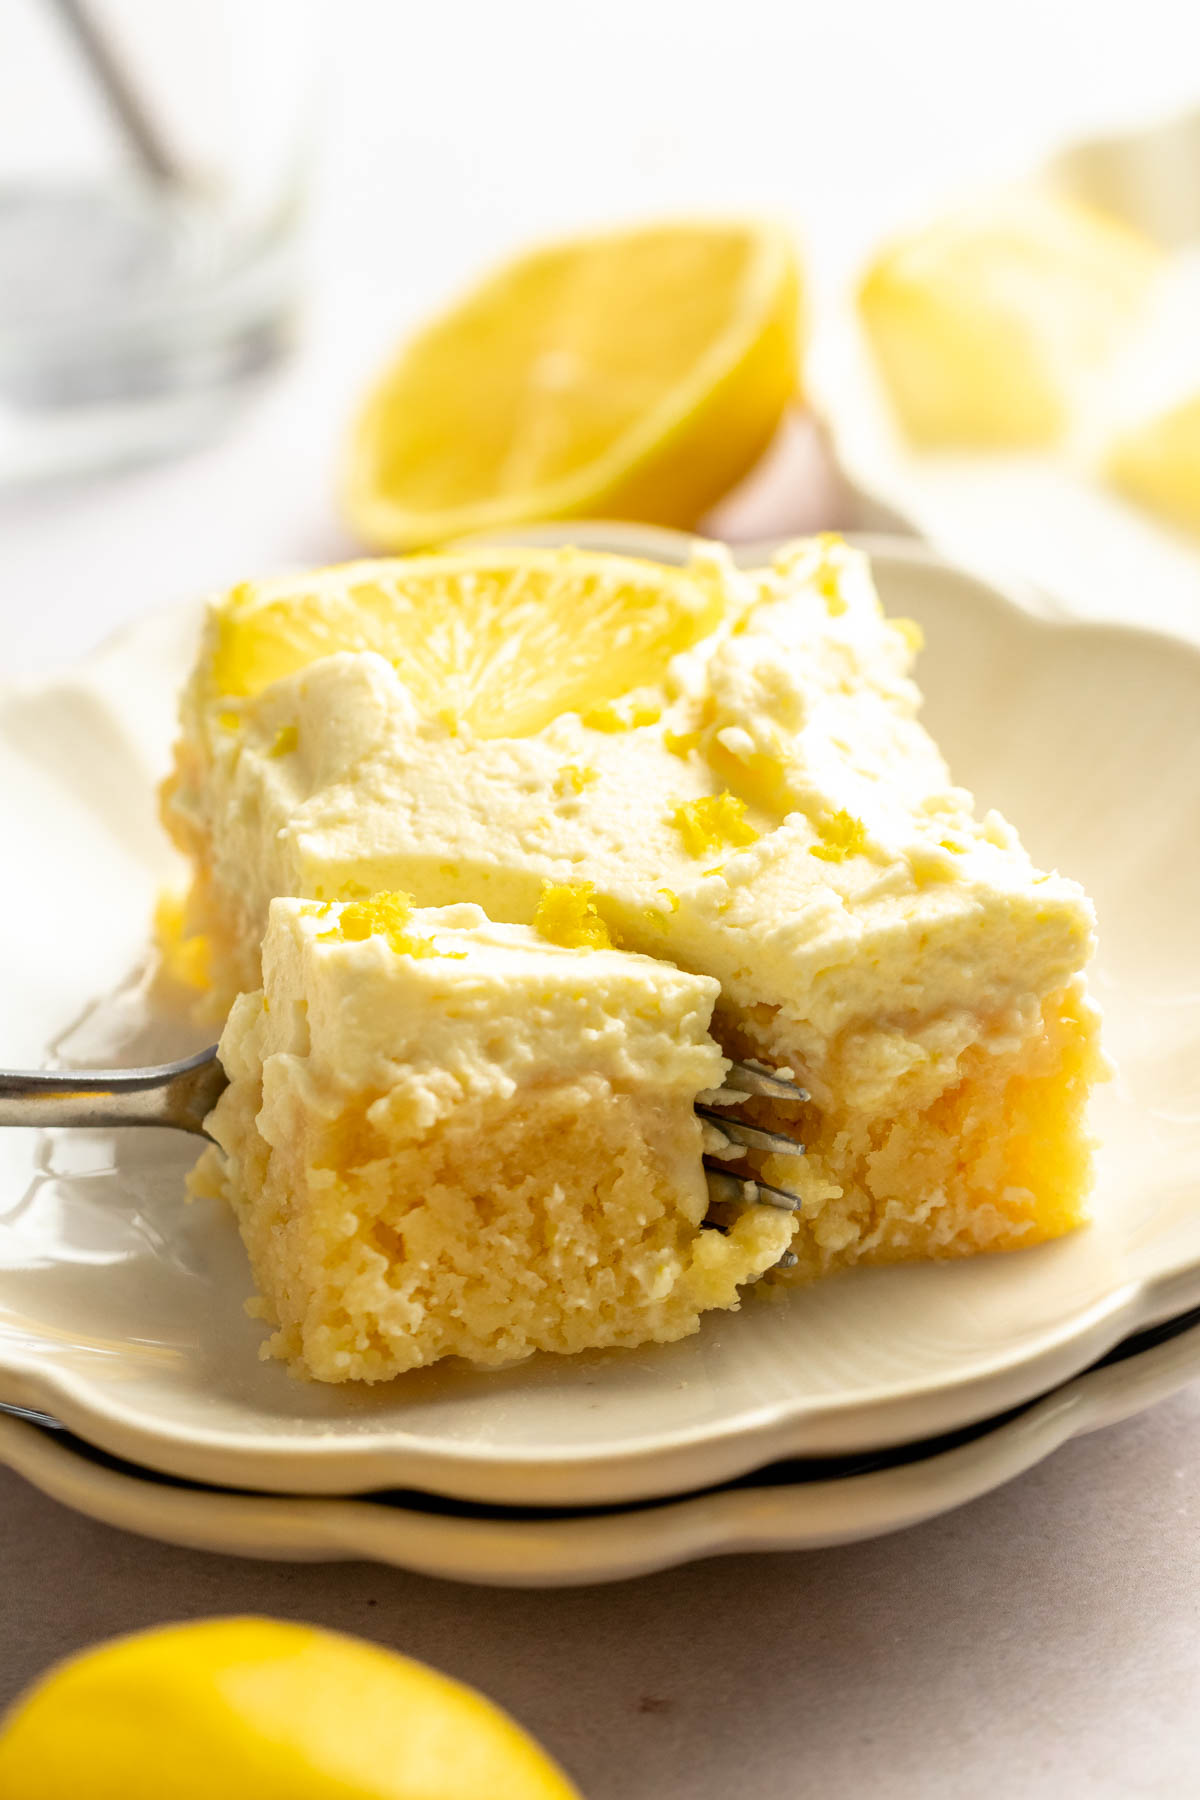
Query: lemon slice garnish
point(501, 640)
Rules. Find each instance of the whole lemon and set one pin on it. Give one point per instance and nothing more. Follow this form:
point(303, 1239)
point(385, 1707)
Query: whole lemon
point(253, 1709)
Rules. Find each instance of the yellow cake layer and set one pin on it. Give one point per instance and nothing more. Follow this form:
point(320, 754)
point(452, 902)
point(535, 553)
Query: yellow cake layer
point(1001, 1159)
point(548, 1223)
point(445, 1138)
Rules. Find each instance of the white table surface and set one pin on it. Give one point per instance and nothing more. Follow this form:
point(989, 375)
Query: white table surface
point(1043, 1641)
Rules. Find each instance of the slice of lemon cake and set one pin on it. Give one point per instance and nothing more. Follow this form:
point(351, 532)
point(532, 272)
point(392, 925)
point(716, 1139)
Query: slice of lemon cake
point(447, 1137)
point(731, 765)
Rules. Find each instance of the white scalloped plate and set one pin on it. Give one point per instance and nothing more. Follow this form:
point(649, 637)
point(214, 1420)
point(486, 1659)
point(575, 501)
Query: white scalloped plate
point(774, 1512)
point(121, 1309)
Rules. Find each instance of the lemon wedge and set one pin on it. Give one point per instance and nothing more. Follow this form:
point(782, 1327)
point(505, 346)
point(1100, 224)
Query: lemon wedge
point(250, 1707)
point(1149, 424)
point(633, 375)
point(502, 640)
point(1157, 462)
point(988, 326)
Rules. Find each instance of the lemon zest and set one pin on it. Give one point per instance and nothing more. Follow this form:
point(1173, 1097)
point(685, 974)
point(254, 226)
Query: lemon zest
point(286, 740)
point(623, 715)
point(657, 916)
point(910, 631)
point(828, 574)
point(383, 915)
point(842, 836)
point(567, 915)
point(712, 822)
point(572, 778)
point(681, 743)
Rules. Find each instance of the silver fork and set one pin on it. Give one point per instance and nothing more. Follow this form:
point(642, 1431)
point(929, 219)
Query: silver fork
point(180, 1096)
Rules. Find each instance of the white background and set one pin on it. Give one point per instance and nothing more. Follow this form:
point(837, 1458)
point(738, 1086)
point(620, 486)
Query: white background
point(1045, 1641)
point(456, 129)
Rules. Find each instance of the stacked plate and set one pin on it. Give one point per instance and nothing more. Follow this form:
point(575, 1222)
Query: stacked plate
point(851, 1408)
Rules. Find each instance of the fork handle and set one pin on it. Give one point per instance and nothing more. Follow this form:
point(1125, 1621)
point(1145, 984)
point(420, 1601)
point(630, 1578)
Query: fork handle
point(178, 1095)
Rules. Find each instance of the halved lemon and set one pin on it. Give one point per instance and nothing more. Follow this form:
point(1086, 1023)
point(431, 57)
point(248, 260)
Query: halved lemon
point(1146, 433)
point(987, 325)
point(501, 639)
point(1157, 462)
point(240, 1707)
point(633, 375)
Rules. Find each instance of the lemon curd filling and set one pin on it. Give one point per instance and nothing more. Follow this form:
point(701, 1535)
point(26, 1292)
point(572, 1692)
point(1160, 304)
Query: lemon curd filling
point(773, 819)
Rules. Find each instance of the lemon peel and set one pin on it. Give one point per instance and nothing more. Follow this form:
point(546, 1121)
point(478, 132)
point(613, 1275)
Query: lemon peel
point(258, 1706)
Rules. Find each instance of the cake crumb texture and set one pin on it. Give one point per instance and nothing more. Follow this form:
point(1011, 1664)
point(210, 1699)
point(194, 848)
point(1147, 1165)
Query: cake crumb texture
point(481, 1151)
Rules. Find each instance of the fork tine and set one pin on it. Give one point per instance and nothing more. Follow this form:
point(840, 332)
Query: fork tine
point(773, 1143)
point(754, 1078)
point(738, 1190)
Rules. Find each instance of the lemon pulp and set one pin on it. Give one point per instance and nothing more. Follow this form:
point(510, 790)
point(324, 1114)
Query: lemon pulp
point(635, 374)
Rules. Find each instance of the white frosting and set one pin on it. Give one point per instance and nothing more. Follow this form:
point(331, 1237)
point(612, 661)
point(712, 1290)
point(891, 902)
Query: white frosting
point(496, 1007)
point(801, 705)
